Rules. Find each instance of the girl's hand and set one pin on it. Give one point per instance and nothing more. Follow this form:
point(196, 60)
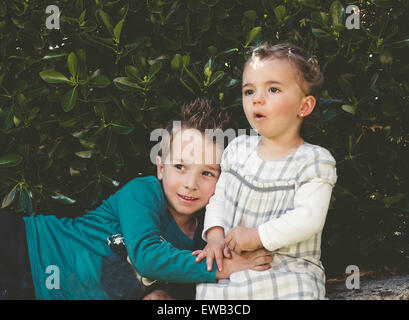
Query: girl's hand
point(215, 248)
point(158, 295)
point(241, 239)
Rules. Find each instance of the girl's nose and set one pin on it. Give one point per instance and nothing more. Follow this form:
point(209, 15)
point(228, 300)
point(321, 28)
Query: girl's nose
point(258, 97)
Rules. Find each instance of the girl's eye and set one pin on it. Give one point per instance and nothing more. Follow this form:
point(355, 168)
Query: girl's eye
point(179, 166)
point(248, 92)
point(274, 90)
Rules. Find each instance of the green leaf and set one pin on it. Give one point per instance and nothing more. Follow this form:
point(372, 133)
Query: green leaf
point(9, 197)
point(60, 198)
point(279, 12)
point(118, 29)
point(23, 199)
point(337, 12)
point(111, 145)
point(384, 3)
point(86, 154)
point(216, 77)
point(390, 201)
point(72, 64)
point(54, 56)
point(319, 33)
point(52, 76)
point(252, 34)
point(398, 44)
point(125, 83)
point(390, 109)
point(100, 81)
point(69, 99)
point(106, 20)
point(348, 108)
point(176, 63)
point(10, 160)
point(251, 15)
point(122, 126)
point(154, 69)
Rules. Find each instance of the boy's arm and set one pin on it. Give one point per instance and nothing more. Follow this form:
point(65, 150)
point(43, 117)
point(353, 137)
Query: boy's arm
point(140, 204)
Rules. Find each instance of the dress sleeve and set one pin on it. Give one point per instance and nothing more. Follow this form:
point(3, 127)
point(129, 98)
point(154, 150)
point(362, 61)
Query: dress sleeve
point(313, 190)
point(215, 210)
point(140, 204)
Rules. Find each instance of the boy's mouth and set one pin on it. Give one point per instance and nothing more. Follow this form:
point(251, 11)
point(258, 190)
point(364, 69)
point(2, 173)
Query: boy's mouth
point(186, 198)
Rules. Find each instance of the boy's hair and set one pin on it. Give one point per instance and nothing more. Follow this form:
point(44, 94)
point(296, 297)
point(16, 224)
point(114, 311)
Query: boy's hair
point(307, 66)
point(199, 114)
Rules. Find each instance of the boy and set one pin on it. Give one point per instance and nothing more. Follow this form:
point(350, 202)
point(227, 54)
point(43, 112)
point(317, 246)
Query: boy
point(145, 211)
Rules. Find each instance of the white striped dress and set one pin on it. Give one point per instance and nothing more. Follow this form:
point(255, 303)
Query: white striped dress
point(287, 200)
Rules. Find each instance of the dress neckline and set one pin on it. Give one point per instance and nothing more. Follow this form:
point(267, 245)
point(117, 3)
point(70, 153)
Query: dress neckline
point(278, 160)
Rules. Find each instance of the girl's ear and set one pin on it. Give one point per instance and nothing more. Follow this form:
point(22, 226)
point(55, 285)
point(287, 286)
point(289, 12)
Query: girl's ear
point(307, 106)
point(159, 167)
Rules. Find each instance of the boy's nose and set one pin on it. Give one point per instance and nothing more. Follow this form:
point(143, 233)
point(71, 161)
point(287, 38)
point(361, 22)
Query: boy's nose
point(190, 182)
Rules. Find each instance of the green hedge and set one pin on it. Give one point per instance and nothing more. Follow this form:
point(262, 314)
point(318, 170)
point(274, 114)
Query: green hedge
point(77, 104)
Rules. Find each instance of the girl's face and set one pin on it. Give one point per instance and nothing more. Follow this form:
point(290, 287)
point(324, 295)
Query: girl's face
point(272, 97)
point(189, 177)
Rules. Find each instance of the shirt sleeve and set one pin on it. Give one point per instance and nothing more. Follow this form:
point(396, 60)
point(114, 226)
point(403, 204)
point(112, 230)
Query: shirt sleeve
point(311, 200)
point(140, 204)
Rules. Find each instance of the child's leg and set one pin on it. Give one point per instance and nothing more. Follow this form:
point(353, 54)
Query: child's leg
point(15, 272)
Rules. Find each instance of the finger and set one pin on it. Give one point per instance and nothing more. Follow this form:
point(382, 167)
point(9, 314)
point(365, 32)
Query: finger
point(219, 260)
point(262, 267)
point(227, 252)
point(209, 261)
point(231, 245)
point(263, 260)
point(200, 256)
point(196, 252)
point(228, 236)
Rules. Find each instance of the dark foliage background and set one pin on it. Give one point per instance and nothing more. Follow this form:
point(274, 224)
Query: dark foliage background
point(77, 104)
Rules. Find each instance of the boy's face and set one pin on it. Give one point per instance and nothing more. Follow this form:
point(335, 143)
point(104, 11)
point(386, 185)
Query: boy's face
point(190, 171)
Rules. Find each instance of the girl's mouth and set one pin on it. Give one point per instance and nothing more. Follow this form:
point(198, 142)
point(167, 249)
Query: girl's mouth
point(258, 117)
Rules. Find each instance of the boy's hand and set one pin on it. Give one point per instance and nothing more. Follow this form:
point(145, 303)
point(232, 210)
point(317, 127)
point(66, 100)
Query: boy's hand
point(241, 239)
point(215, 248)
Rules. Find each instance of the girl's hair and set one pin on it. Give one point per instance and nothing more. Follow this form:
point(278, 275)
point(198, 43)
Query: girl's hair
point(307, 66)
point(199, 114)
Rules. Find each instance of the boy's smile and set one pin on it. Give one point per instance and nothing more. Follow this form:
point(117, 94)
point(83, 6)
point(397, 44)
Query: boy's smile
point(189, 179)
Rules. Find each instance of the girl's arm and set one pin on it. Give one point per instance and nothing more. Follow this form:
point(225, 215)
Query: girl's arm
point(313, 190)
point(311, 203)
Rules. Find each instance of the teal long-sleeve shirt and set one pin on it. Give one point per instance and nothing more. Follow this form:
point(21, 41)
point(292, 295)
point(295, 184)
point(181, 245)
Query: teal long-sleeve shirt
point(66, 254)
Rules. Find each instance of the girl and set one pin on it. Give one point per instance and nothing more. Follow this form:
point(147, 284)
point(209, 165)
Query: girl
point(275, 188)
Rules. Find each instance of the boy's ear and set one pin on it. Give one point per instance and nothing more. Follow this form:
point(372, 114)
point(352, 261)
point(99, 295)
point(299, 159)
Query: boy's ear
point(159, 167)
point(307, 106)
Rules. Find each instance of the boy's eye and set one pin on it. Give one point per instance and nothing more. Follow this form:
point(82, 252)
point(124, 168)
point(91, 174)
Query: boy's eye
point(208, 174)
point(248, 92)
point(274, 90)
point(179, 166)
